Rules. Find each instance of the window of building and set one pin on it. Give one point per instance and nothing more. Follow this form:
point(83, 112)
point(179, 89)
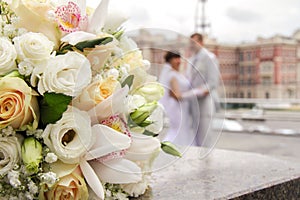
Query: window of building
point(241, 57)
point(267, 95)
point(249, 95)
point(241, 70)
point(266, 80)
point(249, 56)
point(242, 95)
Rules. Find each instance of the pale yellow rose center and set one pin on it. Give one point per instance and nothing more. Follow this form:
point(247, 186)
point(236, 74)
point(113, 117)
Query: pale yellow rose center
point(105, 89)
point(11, 104)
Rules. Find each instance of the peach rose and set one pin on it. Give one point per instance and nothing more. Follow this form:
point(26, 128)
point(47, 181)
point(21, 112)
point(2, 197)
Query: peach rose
point(18, 104)
point(71, 187)
point(95, 93)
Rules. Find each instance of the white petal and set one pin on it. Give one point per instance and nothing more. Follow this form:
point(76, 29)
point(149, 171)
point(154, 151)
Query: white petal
point(78, 36)
point(92, 179)
point(82, 6)
point(107, 141)
point(62, 169)
point(98, 18)
point(114, 20)
point(114, 104)
point(118, 171)
point(142, 147)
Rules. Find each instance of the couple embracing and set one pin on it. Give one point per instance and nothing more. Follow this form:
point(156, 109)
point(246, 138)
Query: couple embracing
point(191, 97)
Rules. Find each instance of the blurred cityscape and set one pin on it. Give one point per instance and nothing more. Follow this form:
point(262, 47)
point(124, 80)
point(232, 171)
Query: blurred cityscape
point(259, 87)
point(259, 90)
point(268, 68)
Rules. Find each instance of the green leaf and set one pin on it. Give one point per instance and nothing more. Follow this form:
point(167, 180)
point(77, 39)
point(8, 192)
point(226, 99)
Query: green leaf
point(170, 148)
point(128, 81)
point(149, 133)
point(53, 106)
point(64, 49)
point(92, 43)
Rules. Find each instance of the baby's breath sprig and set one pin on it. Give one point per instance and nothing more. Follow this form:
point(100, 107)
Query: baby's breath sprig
point(6, 12)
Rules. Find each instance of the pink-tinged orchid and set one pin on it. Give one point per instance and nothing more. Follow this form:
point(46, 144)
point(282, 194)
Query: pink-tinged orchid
point(100, 20)
point(70, 18)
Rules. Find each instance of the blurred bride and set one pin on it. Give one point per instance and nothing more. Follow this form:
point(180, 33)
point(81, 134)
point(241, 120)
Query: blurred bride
point(178, 95)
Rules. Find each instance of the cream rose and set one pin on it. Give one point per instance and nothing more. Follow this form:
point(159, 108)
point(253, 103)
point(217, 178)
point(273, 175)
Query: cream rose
point(18, 104)
point(8, 56)
point(70, 137)
point(95, 93)
point(10, 150)
point(34, 47)
point(36, 16)
point(67, 74)
point(71, 187)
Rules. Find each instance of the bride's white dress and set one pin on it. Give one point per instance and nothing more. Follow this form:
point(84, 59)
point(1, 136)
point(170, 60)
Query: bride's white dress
point(180, 131)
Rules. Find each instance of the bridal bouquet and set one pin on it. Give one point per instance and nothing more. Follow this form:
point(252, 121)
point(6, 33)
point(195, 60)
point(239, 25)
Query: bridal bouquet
point(78, 111)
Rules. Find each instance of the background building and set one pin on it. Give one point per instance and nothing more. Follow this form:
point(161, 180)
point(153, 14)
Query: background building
point(266, 68)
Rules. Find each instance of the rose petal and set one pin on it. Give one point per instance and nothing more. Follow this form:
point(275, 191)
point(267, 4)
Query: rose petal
point(114, 104)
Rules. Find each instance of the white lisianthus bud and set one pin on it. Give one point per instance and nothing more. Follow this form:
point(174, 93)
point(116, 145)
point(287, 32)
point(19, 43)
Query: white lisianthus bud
point(32, 154)
point(150, 91)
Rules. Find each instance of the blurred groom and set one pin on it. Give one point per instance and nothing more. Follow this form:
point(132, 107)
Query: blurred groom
point(203, 72)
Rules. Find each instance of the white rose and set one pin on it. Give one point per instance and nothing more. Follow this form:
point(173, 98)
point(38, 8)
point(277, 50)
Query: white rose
point(10, 150)
point(35, 47)
point(70, 137)
point(8, 56)
point(67, 74)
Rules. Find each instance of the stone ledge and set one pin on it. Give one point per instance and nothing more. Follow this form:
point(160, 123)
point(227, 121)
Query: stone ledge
point(224, 175)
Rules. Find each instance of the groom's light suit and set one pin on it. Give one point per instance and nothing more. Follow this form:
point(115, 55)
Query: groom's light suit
point(204, 72)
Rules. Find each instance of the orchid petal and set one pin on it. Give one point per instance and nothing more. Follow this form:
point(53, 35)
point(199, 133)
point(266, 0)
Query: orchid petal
point(99, 17)
point(107, 141)
point(92, 179)
point(114, 104)
point(114, 20)
point(78, 36)
point(82, 6)
point(118, 171)
point(142, 147)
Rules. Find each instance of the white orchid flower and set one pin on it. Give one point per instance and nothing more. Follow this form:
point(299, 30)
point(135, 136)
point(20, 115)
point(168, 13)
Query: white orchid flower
point(112, 171)
point(92, 148)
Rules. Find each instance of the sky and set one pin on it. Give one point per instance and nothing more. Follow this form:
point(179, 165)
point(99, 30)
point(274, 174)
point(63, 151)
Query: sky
point(232, 21)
